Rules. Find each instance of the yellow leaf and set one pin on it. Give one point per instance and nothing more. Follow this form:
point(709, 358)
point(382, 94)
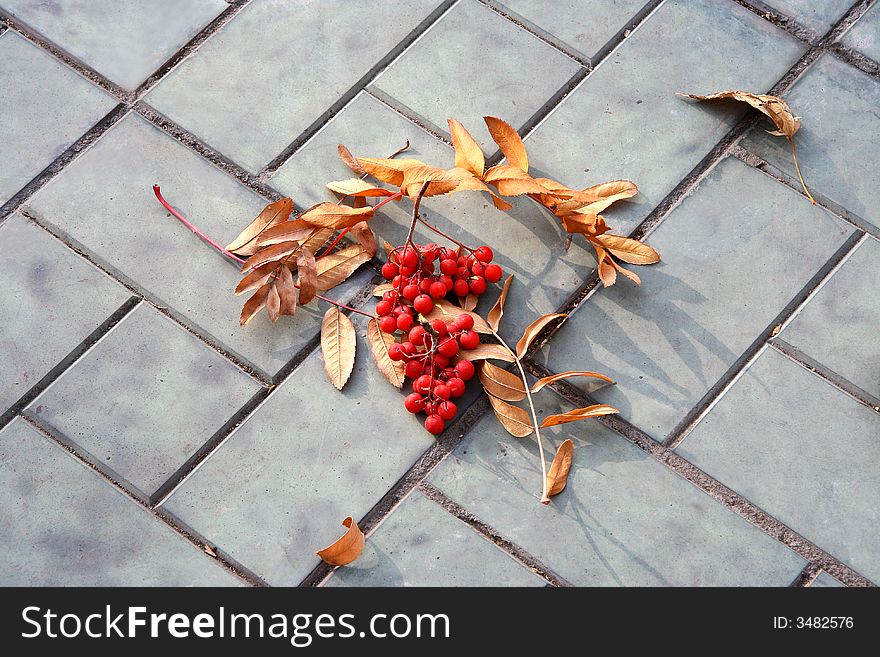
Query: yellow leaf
point(557, 476)
point(338, 345)
point(628, 250)
point(514, 419)
point(272, 215)
point(540, 383)
point(501, 383)
point(512, 181)
point(509, 141)
point(487, 350)
point(532, 331)
point(332, 215)
point(347, 548)
point(334, 268)
point(578, 414)
point(379, 343)
point(448, 312)
point(414, 177)
point(388, 170)
point(468, 154)
point(494, 316)
point(357, 187)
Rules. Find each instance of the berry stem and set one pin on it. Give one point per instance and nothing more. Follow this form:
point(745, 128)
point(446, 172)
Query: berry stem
point(334, 242)
point(394, 197)
point(442, 234)
point(231, 255)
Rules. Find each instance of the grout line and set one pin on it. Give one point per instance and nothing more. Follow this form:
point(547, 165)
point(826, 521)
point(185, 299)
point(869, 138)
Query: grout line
point(781, 20)
point(856, 59)
point(806, 577)
point(517, 553)
point(394, 54)
point(829, 376)
point(197, 542)
point(75, 354)
point(736, 370)
point(410, 115)
point(712, 487)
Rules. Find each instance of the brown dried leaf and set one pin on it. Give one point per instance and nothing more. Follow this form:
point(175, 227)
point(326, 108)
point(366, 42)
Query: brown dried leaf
point(468, 154)
point(273, 303)
point(272, 215)
point(487, 350)
point(773, 107)
point(447, 311)
point(333, 215)
point(532, 331)
point(338, 345)
point(540, 383)
point(414, 177)
point(255, 304)
point(255, 278)
point(607, 270)
point(286, 291)
point(497, 312)
point(290, 231)
point(469, 302)
point(388, 170)
point(270, 254)
point(365, 237)
point(381, 289)
point(514, 419)
point(317, 239)
point(388, 248)
point(308, 275)
point(557, 476)
point(631, 275)
point(379, 343)
point(501, 383)
point(512, 181)
point(349, 160)
point(509, 141)
point(357, 187)
point(613, 190)
point(578, 414)
point(334, 268)
point(628, 250)
point(347, 548)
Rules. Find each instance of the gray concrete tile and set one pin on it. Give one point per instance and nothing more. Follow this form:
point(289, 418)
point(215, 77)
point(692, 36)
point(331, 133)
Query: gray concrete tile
point(625, 120)
point(512, 79)
point(838, 327)
point(144, 398)
point(824, 580)
point(104, 202)
point(624, 519)
point(840, 133)
point(526, 242)
point(45, 108)
point(126, 42)
point(64, 526)
point(735, 253)
point(45, 320)
point(308, 62)
point(819, 16)
point(801, 450)
point(279, 487)
point(864, 36)
point(420, 544)
point(584, 26)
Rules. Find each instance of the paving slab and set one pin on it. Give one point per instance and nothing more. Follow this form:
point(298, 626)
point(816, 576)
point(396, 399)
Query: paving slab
point(126, 42)
point(280, 486)
point(838, 327)
point(818, 16)
point(64, 526)
point(45, 320)
point(824, 580)
point(668, 341)
point(45, 108)
point(801, 450)
point(145, 398)
point(864, 36)
point(512, 79)
point(420, 544)
point(840, 132)
point(307, 62)
point(526, 242)
point(104, 203)
point(625, 121)
point(623, 519)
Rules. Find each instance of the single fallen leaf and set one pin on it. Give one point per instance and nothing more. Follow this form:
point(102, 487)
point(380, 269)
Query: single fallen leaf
point(448, 312)
point(501, 383)
point(347, 548)
point(349, 160)
point(487, 350)
point(631, 275)
point(379, 343)
point(272, 215)
point(255, 304)
point(338, 345)
point(334, 268)
point(512, 181)
point(628, 250)
point(388, 170)
point(540, 383)
point(365, 237)
point(557, 476)
point(509, 141)
point(532, 331)
point(357, 187)
point(578, 414)
point(210, 551)
point(468, 154)
point(308, 275)
point(335, 216)
point(497, 312)
point(514, 419)
point(776, 330)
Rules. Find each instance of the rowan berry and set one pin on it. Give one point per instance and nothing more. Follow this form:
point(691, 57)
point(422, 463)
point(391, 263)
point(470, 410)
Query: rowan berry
point(478, 285)
point(414, 403)
point(469, 340)
point(447, 410)
point(437, 290)
point(414, 369)
point(410, 258)
point(448, 347)
point(388, 324)
point(417, 335)
point(425, 285)
point(448, 266)
point(390, 296)
point(404, 322)
point(423, 304)
point(461, 288)
point(440, 361)
point(484, 254)
point(390, 270)
point(439, 326)
point(383, 308)
point(410, 291)
point(395, 353)
point(435, 424)
point(493, 273)
point(442, 391)
point(456, 386)
point(465, 370)
point(464, 322)
point(422, 384)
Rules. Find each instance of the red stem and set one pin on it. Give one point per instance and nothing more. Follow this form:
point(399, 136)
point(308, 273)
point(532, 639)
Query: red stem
point(229, 254)
point(394, 197)
point(335, 242)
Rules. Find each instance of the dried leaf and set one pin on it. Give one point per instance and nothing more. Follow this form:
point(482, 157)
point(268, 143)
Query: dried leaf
point(349, 160)
point(317, 239)
point(578, 414)
point(628, 250)
point(289, 231)
point(365, 237)
point(379, 343)
point(557, 476)
point(255, 304)
point(613, 190)
point(308, 275)
point(532, 331)
point(273, 303)
point(357, 187)
point(388, 249)
point(210, 551)
point(381, 289)
point(501, 383)
point(338, 345)
point(509, 141)
point(468, 154)
point(347, 548)
point(448, 311)
point(388, 170)
point(487, 350)
point(512, 181)
point(514, 419)
point(333, 215)
point(334, 268)
point(469, 302)
point(255, 278)
point(773, 107)
point(497, 312)
point(270, 254)
point(540, 383)
point(286, 291)
point(272, 215)
point(414, 178)
point(631, 275)
point(607, 271)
